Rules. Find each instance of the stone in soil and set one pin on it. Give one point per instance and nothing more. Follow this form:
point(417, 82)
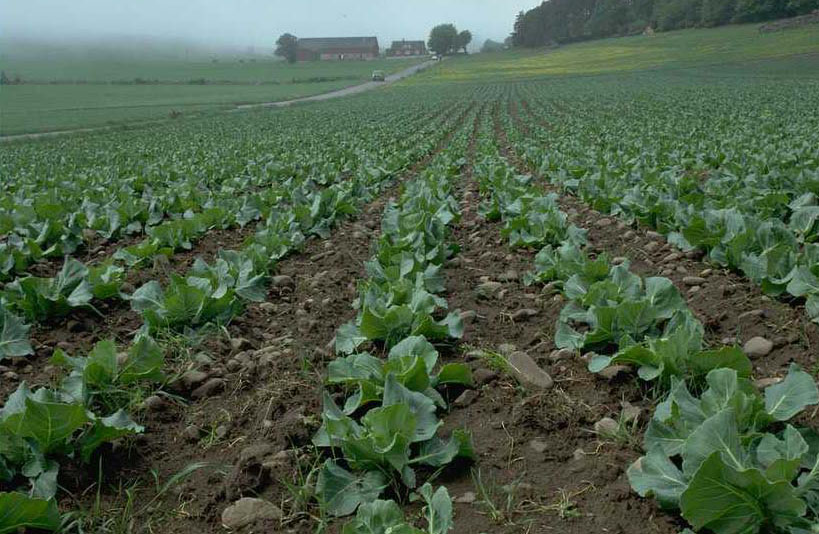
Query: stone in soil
point(757, 347)
point(509, 276)
point(561, 354)
point(281, 281)
point(762, 383)
point(154, 403)
point(523, 314)
point(466, 398)
point(488, 290)
point(467, 498)
point(539, 446)
point(193, 378)
point(209, 388)
point(192, 433)
point(248, 510)
point(483, 376)
point(606, 426)
point(630, 412)
point(613, 371)
point(239, 343)
point(529, 373)
point(506, 348)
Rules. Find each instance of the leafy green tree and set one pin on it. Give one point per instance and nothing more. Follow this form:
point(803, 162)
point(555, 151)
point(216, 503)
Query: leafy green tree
point(463, 40)
point(676, 14)
point(287, 47)
point(443, 38)
point(491, 46)
point(610, 17)
point(758, 10)
point(800, 7)
point(717, 12)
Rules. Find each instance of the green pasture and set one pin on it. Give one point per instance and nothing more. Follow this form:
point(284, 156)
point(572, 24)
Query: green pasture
point(37, 107)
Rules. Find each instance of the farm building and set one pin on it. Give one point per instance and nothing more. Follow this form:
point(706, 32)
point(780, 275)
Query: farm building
point(407, 48)
point(323, 48)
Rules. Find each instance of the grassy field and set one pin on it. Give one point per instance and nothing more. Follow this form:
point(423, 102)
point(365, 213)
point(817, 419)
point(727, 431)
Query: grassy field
point(261, 70)
point(35, 107)
point(672, 50)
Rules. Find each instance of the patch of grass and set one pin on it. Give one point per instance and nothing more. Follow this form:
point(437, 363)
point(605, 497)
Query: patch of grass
point(491, 359)
point(626, 433)
point(37, 108)
point(670, 50)
point(498, 502)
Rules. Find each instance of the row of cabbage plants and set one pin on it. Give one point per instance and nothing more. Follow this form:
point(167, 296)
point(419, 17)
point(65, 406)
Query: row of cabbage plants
point(381, 410)
point(44, 427)
point(290, 210)
point(728, 457)
point(174, 184)
point(713, 172)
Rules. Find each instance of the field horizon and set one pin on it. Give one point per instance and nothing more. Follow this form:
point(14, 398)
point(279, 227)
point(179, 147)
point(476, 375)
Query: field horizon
point(108, 91)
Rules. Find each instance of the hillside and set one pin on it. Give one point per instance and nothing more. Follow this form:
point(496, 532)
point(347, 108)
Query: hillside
point(670, 50)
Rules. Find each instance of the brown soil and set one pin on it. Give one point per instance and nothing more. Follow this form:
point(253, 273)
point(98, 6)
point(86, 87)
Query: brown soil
point(541, 464)
point(529, 442)
point(271, 404)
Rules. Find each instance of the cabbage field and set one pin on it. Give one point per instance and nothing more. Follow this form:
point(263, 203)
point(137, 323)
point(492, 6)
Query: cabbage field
point(567, 304)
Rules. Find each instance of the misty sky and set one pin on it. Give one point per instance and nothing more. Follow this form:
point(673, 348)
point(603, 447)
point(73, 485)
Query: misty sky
point(255, 22)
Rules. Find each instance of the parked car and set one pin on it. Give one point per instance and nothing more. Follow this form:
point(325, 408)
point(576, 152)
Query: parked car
point(435, 58)
point(379, 76)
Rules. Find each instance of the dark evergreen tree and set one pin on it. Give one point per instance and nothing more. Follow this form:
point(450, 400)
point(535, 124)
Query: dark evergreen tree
point(563, 21)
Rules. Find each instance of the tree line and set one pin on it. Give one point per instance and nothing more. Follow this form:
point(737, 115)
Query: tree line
point(562, 21)
point(445, 39)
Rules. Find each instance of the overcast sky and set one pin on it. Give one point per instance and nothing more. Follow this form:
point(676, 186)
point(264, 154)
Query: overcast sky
point(255, 22)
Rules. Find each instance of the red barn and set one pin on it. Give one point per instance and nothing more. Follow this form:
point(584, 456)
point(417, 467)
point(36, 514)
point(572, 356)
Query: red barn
point(323, 48)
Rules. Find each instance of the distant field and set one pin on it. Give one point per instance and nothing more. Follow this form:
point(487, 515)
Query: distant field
point(47, 69)
point(729, 44)
point(45, 107)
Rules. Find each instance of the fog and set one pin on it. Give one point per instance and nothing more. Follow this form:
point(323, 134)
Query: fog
point(252, 23)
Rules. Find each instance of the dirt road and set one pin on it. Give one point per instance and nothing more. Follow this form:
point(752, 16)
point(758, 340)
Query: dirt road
point(347, 91)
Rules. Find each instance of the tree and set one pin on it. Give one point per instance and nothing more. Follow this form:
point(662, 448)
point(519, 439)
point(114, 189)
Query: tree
point(800, 7)
point(287, 47)
point(491, 46)
point(463, 40)
point(610, 17)
point(678, 14)
point(717, 12)
point(443, 38)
